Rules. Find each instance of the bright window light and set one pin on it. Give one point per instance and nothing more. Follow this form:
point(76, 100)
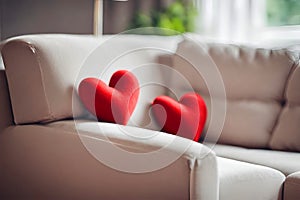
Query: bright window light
point(283, 12)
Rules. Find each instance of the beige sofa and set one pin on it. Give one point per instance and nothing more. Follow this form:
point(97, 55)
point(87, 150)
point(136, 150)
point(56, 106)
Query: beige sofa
point(51, 148)
point(263, 96)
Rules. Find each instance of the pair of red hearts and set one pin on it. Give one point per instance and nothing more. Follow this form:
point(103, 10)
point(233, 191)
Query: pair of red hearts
point(116, 102)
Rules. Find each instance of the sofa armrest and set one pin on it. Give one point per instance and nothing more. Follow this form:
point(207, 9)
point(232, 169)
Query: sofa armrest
point(292, 187)
point(45, 162)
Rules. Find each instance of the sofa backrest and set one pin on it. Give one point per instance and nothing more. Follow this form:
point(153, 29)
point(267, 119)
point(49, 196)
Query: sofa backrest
point(6, 118)
point(286, 134)
point(44, 70)
point(261, 85)
point(255, 82)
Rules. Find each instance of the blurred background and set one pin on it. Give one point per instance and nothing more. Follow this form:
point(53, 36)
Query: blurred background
point(225, 20)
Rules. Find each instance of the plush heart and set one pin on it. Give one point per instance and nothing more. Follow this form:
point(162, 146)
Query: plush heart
point(185, 118)
point(114, 103)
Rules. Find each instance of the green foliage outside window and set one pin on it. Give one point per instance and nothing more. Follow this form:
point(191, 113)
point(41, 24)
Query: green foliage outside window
point(283, 12)
point(179, 16)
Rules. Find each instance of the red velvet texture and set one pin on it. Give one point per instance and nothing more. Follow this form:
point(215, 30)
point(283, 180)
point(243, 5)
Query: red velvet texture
point(114, 103)
point(185, 118)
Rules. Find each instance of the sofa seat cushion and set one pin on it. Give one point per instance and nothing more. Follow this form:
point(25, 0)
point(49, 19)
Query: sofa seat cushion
point(292, 187)
point(286, 162)
point(239, 180)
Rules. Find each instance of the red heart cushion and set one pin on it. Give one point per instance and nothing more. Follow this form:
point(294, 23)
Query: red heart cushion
point(185, 118)
point(114, 103)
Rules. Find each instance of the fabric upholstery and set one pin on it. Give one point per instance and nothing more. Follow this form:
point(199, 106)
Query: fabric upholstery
point(239, 180)
point(254, 81)
point(286, 135)
point(239, 114)
point(292, 187)
point(43, 70)
point(5, 106)
point(56, 165)
point(48, 159)
point(286, 162)
point(40, 72)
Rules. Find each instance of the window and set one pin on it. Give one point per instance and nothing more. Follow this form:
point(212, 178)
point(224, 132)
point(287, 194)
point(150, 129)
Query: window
point(250, 21)
point(282, 12)
point(281, 22)
point(242, 21)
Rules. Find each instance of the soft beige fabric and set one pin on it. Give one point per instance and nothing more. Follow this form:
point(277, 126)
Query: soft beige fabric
point(41, 162)
point(292, 187)
point(248, 73)
point(5, 107)
point(286, 162)
point(286, 135)
point(146, 140)
point(240, 113)
point(244, 181)
point(43, 70)
point(252, 75)
point(237, 179)
point(292, 91)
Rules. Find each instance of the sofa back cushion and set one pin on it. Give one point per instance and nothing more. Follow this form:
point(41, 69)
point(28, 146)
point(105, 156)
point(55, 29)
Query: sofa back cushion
point(44, 70)
point(254, 81)
point(286, 135)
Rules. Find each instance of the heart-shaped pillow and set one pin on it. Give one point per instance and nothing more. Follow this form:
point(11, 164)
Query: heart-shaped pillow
point(185, 118)
point(114, 103)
